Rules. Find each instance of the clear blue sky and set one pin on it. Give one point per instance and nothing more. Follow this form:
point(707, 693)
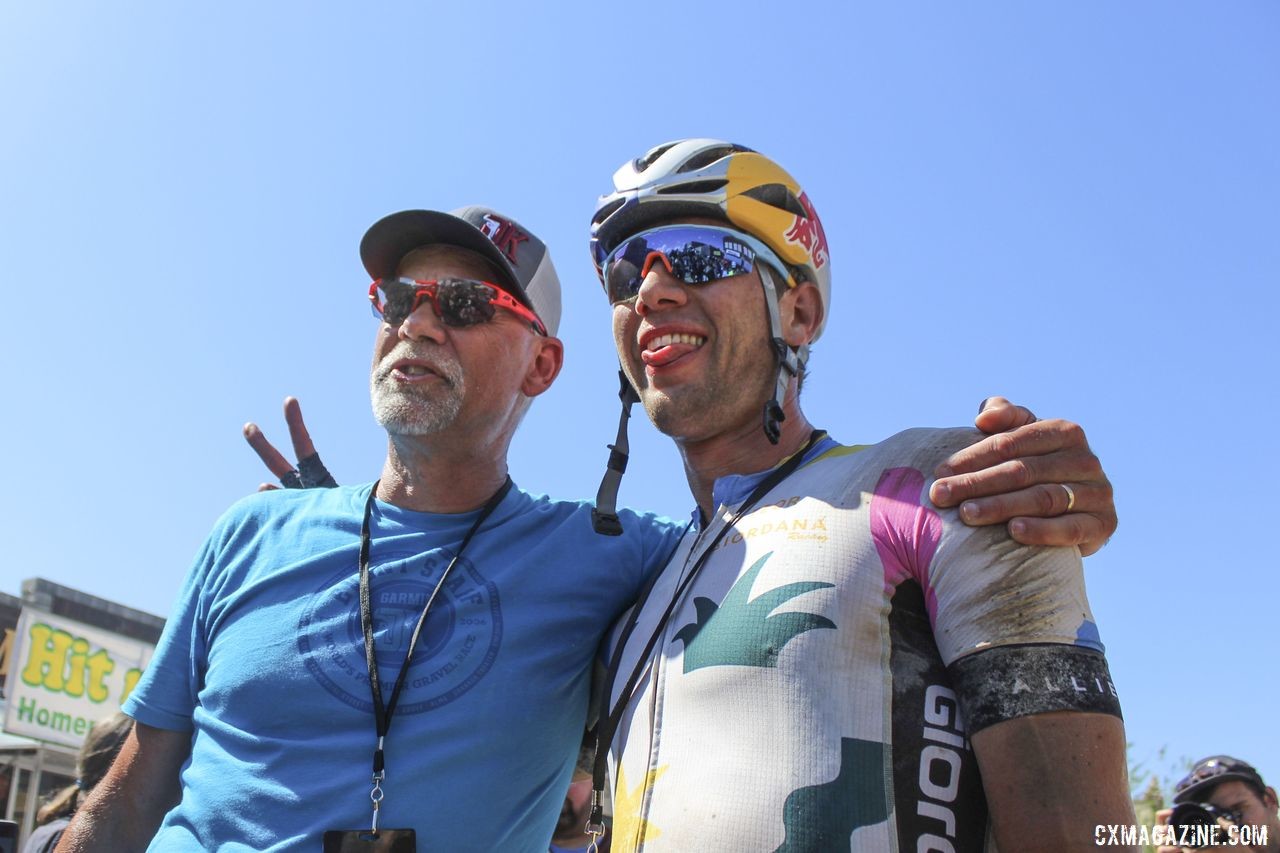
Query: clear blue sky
point(1071, 204)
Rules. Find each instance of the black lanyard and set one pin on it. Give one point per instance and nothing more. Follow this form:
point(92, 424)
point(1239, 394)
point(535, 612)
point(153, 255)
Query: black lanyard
point(382, 713)
point(607, 726)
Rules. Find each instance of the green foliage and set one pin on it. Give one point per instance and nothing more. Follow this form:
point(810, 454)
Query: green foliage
point(1152, 789)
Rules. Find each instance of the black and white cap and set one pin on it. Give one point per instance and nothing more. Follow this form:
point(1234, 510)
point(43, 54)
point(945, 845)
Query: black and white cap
point(1211, 772)
point(517, 253)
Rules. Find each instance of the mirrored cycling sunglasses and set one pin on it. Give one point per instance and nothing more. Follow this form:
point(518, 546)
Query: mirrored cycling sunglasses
point(695, 254)
point(458, 302)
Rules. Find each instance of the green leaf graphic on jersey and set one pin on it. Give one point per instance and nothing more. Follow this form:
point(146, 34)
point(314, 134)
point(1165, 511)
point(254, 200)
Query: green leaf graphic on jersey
point(822, 817)
point(742, 633)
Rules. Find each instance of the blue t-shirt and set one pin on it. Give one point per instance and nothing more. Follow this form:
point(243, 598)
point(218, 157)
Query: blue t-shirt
point(263, 661)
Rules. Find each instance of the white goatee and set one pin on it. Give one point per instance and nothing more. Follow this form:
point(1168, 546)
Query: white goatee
point(412, 410)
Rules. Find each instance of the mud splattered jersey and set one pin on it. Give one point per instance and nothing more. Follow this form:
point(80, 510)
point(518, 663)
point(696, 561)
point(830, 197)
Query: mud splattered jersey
point(803, 695)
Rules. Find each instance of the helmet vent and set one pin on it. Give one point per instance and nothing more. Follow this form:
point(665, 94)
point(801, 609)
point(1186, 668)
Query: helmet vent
point(705, 158)
point(777, 195)
point(647, 160)
point(608, 210)
point(694, 187)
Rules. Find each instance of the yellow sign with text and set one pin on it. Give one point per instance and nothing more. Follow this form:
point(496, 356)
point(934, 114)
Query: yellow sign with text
point(64, 676)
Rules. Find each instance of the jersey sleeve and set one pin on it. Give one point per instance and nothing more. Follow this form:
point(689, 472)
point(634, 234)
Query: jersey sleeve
point(1012, 622)
point(986, 590)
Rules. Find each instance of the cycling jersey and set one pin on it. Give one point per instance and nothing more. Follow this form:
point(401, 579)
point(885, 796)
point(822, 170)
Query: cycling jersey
point(811, 688)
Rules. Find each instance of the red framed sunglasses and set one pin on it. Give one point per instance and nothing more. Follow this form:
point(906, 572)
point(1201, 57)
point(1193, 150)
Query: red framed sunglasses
point(458, 302)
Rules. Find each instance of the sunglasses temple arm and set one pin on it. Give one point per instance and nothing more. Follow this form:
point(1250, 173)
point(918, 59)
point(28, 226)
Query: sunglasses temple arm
point(604, 517)
point(790, 361)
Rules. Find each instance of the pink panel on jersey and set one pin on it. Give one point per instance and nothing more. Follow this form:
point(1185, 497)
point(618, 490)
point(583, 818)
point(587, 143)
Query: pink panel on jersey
point(905, 532)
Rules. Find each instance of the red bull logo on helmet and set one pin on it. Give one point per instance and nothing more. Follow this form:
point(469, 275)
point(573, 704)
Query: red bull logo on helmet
point(807, 231)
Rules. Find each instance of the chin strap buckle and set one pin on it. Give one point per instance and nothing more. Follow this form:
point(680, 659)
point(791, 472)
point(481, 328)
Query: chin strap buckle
point(791, 363)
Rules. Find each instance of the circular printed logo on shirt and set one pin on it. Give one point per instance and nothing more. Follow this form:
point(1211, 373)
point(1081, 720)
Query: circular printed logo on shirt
point(457, 646)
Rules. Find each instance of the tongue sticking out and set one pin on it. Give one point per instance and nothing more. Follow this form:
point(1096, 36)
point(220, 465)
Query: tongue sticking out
point(664, 355)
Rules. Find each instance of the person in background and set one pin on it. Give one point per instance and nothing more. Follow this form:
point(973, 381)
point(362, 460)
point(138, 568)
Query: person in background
point(96, 754)
point(1230, 785)
point(571, 835)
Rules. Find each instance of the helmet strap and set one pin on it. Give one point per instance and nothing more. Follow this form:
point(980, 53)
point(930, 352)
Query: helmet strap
point(790, 360)
point(604, 518)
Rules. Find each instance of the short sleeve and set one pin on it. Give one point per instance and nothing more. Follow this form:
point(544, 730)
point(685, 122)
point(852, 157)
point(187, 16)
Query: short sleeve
point(982, 589)
point(166, 695)
point(992, 591)
point(657, 537)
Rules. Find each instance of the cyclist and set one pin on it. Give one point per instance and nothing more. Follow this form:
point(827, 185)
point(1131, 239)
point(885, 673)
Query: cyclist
point(829, 661)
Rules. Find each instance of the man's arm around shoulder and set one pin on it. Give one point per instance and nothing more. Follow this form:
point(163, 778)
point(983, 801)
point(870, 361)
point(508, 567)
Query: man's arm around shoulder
point(1051, 779)
point(125, 809)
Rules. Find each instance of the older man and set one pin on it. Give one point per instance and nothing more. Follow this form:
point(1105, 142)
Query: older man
point(286, 706)
point(830, 661)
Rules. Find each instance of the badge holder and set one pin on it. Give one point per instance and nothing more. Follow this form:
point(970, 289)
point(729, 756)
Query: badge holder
point(372, 840)
point(367, 841)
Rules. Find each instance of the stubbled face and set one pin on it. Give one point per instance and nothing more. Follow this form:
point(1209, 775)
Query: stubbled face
point(1239, 797)
point(426, 375)
point(698, 355)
